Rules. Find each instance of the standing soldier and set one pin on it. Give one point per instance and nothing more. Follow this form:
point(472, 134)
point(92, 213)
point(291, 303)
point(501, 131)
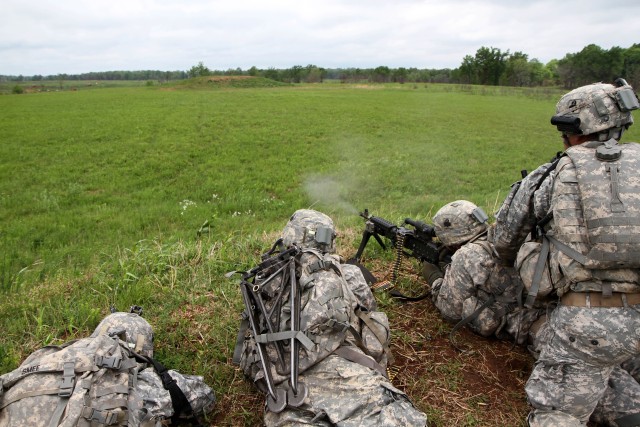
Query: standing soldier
point(583, 212)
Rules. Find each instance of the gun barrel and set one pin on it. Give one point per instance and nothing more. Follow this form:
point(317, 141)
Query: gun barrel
point(422, 227)
point(384, 223)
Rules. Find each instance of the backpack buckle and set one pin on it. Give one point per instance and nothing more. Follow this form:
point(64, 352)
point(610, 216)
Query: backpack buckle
point(68, 379)
point(112, 362)
point(102, 417)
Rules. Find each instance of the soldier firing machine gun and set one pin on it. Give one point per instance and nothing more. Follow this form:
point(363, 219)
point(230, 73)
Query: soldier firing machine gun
point(416, 243)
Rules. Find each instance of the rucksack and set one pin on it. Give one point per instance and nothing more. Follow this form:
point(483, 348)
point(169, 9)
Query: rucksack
point(299, 309)
point(98, 381)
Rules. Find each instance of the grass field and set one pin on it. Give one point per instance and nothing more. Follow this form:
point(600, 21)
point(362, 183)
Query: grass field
point(148, 195)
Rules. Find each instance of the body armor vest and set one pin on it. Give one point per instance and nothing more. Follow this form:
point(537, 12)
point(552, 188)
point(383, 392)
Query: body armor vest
point(596, 212)
point(609, 189)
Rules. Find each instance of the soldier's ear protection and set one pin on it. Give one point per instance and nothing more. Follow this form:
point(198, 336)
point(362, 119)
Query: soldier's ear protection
point(626, 97)
point(324, 235)
point(480, 215)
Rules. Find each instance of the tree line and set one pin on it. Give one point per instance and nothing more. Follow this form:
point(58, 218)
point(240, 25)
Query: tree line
point(489, 66)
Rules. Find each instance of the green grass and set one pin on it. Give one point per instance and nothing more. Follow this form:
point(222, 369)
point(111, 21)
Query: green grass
point(149, 195)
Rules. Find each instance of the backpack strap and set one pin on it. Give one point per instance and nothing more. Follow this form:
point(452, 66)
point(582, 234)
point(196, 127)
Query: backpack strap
point(181, 405)
point(370, 322)
point(351, 354)
point(67, 384)
point(104, 417)
point(537, 273)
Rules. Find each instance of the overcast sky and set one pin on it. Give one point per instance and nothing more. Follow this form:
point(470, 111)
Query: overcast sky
point(74, 36)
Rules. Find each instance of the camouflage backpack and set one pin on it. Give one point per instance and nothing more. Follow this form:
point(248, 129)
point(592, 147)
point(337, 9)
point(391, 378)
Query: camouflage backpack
point(101, 381)
point(285, 332)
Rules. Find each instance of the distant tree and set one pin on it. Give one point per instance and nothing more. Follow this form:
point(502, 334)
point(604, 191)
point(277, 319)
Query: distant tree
point(551, 71)
point(272, 73)
point(538, 73)
point(468, 72)
point(400, 75)
point(294, 74)
point(314, 74)
point(591, 64)
point(253, 71)
point(517, 70)
point(631, 68)
point(381, 74)
point(490, 64)
point(199, 70)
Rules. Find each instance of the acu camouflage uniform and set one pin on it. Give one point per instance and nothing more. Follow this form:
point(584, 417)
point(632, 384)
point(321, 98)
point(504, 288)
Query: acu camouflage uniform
point(342, 366)
point(588, 209)
point(477, 288)
point(108, 378)
point(475, 275)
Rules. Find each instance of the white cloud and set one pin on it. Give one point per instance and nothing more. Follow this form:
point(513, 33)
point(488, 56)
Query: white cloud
point(72, 36)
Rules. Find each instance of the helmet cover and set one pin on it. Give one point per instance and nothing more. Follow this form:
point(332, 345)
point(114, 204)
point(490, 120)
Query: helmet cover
point(311, 229)
point(129, 327)
point(458, 222)
point(598, 108)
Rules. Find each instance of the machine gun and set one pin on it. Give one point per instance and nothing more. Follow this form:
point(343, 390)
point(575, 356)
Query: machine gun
point(417, 242)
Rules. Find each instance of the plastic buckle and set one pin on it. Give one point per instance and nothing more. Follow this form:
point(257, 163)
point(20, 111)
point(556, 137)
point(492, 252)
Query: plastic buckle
point(68, 379)
point(102, 417)
point(112, 362)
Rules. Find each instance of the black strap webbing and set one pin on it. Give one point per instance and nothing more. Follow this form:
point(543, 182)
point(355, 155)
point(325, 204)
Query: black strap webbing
point(632, 420)
point(180, 403)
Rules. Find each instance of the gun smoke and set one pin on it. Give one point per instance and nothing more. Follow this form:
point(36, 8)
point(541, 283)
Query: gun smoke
point(328, 192)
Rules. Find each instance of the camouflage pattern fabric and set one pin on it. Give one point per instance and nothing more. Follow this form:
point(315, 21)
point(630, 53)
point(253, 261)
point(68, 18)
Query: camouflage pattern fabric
point(633, 367)
point(620, 399)
point(302, 228)
point(338, 312)
point(473, 275)
point(347, 394)
point(583, 349)
point(343, 389)
point(154, 401)
point(572, 373)
point(597, 106)
point(327, 310)
point(516, 216)
point(104, 382)
point(96, 373)
point(129, 327)
point(596, 209)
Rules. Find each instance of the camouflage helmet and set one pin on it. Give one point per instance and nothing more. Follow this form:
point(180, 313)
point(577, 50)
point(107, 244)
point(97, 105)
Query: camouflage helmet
point(129, 327)
point(309, 229)
point(458, 222)
point(598, 108)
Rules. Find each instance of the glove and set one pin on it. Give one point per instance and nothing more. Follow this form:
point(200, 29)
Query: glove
point(431, 272)
point(444, 257)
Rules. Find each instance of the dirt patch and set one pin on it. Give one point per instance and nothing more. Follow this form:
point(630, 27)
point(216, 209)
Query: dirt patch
point(480, 386)
point(483, 385)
